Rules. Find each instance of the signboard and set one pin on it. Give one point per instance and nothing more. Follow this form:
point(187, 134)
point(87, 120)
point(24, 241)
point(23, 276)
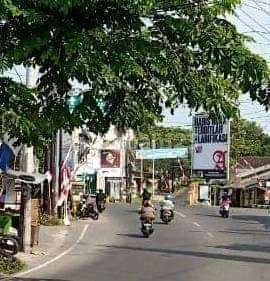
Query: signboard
point(204, 192)
point(162, 153)
point(210, 145)
point(110, 158)
point(213, 174)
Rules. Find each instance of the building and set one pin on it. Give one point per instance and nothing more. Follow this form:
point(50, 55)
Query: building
point(100, 162)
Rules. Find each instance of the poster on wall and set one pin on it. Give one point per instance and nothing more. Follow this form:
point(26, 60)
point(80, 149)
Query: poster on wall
point(110, 158)
point(210, 145)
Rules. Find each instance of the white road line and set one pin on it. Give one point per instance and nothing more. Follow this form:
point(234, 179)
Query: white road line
point(195, 223)
point(210, 234)
point(54, 259)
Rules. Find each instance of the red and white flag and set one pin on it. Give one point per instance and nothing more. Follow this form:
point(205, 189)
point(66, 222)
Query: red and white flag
point(65, 184)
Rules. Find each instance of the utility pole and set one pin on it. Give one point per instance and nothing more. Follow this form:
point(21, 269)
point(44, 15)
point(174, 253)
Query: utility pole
point(28, 166)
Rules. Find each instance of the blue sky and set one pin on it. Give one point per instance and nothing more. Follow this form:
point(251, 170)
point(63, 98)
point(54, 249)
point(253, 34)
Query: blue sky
point(253, 18)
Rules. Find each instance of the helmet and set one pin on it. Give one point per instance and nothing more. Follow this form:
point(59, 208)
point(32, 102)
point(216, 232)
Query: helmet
point(100, 190)
point(167, 197)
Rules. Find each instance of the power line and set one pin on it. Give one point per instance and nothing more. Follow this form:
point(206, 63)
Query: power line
point(258, 8)
point(263, 2)
point(251, 28)
point(255, 21)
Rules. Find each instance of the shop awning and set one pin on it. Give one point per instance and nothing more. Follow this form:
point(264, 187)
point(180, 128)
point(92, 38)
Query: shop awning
point(28, 178)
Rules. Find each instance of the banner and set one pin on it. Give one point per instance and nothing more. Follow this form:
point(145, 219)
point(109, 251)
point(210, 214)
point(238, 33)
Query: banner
point(162, 153)
point(110, 158)
point(210, 144)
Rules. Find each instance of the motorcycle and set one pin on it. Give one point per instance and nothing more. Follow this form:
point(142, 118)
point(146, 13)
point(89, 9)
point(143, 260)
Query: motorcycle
point(166, 215)
point(224, 211)
point(9, 245)
point(147, 227)
point(101, 206)
point(88, 210)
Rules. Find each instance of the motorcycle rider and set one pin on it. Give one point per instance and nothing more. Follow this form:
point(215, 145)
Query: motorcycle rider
point(147, 211)
point(146, 195)
point(167, 204)
point(100, 198)
point(225, 200)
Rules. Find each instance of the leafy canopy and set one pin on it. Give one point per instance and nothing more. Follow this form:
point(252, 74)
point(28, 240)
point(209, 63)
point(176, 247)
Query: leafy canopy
point(134, 56)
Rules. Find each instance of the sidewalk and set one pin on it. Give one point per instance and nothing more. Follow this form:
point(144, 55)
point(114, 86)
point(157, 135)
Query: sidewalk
point(53, 240)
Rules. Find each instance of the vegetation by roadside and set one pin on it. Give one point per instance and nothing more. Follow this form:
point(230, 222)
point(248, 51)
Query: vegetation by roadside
point(49, 220)
point(10, 265)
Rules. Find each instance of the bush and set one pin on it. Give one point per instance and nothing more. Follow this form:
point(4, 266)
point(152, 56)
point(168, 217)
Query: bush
point(50, 220)
point(10, 264)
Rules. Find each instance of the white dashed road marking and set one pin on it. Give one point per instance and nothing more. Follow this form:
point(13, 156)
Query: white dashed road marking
point(195, 223)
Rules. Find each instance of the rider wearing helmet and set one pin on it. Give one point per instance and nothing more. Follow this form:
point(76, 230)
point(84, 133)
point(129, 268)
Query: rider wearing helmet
point(101, 197)
point(167, 203)
point(147, 210)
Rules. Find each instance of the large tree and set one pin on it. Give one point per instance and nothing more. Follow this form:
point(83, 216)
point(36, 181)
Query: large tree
point(164, 137)
point(133, 55)
point(248, 139)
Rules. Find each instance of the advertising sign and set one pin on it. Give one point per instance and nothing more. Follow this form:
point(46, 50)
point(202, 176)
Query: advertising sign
point(204, 192)
point(162, 153)
point(210, 144)
point(110, 158)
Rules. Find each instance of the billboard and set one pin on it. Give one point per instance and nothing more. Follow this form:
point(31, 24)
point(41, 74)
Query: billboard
point(210, 144)
point(110, 158)
point(162, 153)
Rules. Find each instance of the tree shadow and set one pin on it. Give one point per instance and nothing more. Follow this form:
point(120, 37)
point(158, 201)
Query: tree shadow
point(208, 215)
point(246, 232)
point(215, 256)
point(28, 279)
point(159, 223)
point(131, 235)
point(133, 211)
point(245, 247)
point(263, 220)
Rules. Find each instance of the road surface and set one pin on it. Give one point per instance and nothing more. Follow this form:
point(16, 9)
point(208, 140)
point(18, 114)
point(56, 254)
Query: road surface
point(197, 246)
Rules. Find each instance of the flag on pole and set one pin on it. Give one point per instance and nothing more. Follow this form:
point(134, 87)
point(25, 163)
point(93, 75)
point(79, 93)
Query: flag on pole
point(65, 184)
point(6, 154)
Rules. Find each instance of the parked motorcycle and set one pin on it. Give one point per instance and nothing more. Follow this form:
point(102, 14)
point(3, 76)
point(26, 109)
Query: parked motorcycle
point(147, 227)
point(87, 210)
point(9, 245)
point(166, 215)
point(224, 211)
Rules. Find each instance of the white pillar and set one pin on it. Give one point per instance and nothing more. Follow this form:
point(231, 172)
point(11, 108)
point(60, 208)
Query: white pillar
point(28, 166)
point(153, 177)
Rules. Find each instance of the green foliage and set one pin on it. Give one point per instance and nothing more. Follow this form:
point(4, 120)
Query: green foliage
point(164, 137)
point(133, 55)
point(10, 265)
point(50, 220)
point(248, 139)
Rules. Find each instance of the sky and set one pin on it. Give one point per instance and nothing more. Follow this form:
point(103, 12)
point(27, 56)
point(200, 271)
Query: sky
point(253, 18)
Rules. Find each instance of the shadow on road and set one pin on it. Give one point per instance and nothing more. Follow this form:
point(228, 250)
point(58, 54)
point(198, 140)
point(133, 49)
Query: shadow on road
point(29, 279)
point(246, 232)
point(245, 247)
point(208, 215)
point(160, 223)
point(263, 220)
point(133, 211)
point(215, 256)
point(131, 235)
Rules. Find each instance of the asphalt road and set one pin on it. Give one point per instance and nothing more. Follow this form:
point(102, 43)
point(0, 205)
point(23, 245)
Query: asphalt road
point(197, 245)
